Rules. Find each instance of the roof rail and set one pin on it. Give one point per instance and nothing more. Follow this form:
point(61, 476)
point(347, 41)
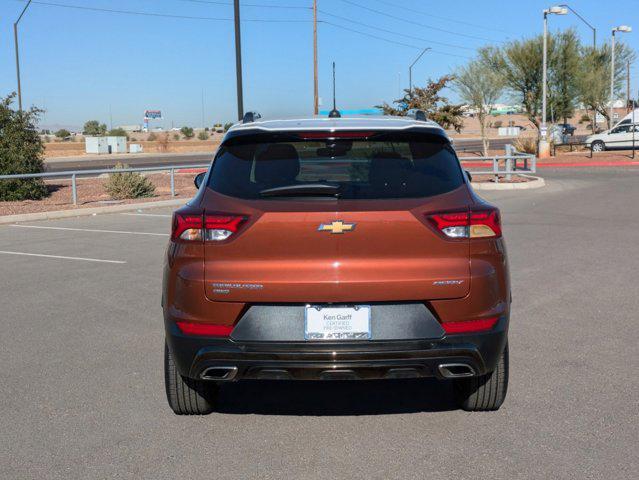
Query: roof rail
point(251, 117)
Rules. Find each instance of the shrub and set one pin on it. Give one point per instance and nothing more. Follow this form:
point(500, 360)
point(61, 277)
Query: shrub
point(176, 136)
point(94, 128)
point(202, 136)
point(526, 145)
point(128, 185)
point(152, 137)
point(227, 126)
point(585, 118)
point(163, 142)
point(187, 132)
point(118, 132)
point(63, 133)
point(497, 124)
point(21, 151)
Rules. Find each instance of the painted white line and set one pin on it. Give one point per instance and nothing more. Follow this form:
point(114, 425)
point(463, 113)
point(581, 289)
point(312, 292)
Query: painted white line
point(146, 215)
point(90, 230)
point(62, 257)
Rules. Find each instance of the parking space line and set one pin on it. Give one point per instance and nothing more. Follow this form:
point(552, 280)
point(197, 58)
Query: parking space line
point(62, 257)
point(90, 230)
point(146, 215)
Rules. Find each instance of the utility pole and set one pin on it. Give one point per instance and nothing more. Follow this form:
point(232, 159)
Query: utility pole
point(410, 72)
point(15, 38)
point(238, 60)
point(315, 87)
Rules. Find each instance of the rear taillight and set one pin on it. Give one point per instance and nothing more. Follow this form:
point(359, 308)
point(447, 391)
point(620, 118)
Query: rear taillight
point(205, 329)
point(196, 227)
point(469, 326)
point(481, 222)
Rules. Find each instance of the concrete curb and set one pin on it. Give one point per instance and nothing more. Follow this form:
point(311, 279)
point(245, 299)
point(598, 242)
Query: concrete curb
point(79, 212)
point(538, 182)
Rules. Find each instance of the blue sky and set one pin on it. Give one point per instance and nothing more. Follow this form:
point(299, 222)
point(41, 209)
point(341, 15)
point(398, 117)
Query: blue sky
point(81, 64)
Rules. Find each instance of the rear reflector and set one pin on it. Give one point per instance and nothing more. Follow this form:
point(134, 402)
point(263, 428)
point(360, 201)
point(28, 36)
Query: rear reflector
point(205, 329)
point(196, 227)
point(475, 223)
point(470, 325)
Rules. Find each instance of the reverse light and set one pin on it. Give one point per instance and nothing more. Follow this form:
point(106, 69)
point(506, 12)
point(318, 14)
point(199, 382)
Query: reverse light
point(205, 329)
point(475, 223)
point(196, 227)
point(470, 325)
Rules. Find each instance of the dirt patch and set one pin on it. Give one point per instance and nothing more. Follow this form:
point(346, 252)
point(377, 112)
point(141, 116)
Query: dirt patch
point(71, 149)
point(91, 193)
point(502, 179)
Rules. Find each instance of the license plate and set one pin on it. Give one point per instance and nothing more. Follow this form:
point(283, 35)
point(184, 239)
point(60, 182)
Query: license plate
point(338, 323)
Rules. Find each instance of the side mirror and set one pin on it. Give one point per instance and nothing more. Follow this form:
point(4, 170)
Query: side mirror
point(199, 178)
point(470, 177)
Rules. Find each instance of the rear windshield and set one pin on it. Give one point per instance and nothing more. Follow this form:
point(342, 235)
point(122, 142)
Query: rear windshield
point(378, 168)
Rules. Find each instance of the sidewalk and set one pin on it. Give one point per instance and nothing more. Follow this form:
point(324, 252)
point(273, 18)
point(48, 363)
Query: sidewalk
point(122, 156)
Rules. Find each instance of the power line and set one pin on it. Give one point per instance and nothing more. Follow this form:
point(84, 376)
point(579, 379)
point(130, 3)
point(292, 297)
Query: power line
point(387, 40)
point(393, 32)
point(260, 5)
point(461, 22)
point(379, 12)
point(165, 15)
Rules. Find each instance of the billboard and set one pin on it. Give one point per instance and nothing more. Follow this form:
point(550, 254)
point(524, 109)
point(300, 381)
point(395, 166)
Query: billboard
point(152, 114)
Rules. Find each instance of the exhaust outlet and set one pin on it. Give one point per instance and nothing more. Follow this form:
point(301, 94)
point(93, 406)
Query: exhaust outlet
point(219, 373)
point(456, 370)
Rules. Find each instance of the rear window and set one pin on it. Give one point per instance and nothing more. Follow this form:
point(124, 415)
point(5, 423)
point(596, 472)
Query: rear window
point(384, 166)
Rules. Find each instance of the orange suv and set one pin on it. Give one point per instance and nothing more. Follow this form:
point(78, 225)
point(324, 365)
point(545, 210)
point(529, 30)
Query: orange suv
point(335, 248)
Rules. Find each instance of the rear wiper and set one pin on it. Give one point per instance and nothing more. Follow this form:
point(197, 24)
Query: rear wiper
point(310, 189)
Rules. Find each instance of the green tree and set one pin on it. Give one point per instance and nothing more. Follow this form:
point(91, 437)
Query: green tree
point(118, 132)
point(565, 65)
point(431, 102)
point(21, 151)
point(187, 132)
point(480, 87)
point(94, 128)
point(593, 84)
point(63, 133)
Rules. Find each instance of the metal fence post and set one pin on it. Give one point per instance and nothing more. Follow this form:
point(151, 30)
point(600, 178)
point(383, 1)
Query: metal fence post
point(173, 182)
point(74, 190)
point(509, 160)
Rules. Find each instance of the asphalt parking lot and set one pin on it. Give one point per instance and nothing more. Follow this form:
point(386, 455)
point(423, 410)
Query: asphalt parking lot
point(82, 388)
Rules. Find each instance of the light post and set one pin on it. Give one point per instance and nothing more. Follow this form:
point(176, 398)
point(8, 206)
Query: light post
point(238, 60)
point(623, 29)
point(594, 30)
point(544, 146)
point(15, 37)
point(410, 72)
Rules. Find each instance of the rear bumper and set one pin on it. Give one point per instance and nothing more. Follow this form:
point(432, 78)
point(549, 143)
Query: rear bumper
point(336, 360)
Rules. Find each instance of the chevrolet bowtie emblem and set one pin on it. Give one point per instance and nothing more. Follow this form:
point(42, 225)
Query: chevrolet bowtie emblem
point(336, 227)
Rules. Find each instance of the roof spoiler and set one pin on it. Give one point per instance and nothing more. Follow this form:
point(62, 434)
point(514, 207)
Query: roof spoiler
point(250, 117)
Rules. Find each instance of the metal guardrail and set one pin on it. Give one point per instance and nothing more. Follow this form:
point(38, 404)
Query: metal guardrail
point(507, 164)
point(73, 174)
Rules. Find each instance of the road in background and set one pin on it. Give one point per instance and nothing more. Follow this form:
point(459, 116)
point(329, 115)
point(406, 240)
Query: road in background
point(82, 385)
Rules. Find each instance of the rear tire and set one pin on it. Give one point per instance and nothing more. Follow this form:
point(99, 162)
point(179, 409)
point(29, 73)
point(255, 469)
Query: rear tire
point(186, 396)
point(598, 146)
point(486, 392)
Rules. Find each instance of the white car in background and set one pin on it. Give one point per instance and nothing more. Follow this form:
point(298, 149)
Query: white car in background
point(621, 136)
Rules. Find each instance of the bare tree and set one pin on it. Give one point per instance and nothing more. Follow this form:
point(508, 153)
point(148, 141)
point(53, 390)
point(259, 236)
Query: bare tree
point(479, 87)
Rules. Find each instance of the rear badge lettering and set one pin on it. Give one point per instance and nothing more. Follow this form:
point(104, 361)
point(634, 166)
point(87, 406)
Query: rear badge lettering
point(448, 282)
point(225, 288)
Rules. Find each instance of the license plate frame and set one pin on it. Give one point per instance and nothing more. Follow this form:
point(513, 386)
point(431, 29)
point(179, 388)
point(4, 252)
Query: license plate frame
point(340, 327)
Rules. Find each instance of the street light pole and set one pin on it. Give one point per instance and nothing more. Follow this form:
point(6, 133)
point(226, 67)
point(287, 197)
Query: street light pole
point(238, 60)
point(315, 85)
point(410, 72)
point(623, 29)
point(594, 30)
point(544, 146)
point(15, 38)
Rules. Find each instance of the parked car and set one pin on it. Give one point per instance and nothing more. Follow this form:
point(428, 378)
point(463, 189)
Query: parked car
point(567, 128)
point(335, 248)
point(620, 137)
